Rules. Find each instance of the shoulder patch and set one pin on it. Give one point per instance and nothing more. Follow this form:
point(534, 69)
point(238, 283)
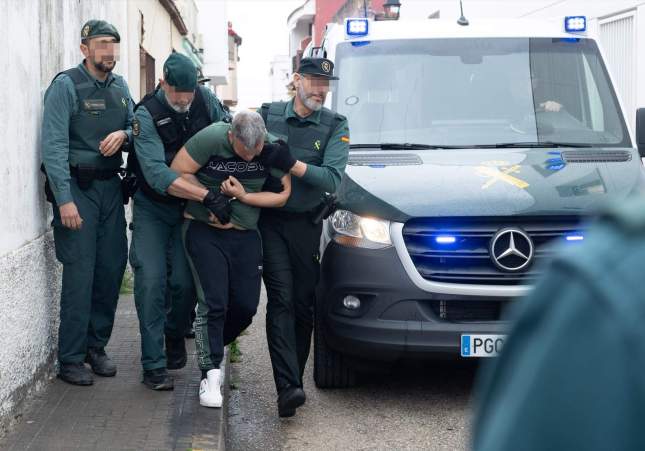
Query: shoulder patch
point(136, 127)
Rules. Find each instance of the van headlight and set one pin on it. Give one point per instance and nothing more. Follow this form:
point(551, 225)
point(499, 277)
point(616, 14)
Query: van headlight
point(352, 230)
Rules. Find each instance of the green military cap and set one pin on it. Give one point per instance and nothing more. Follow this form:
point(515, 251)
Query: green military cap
point(319, 67)
point(180, 72)
point(97, 28)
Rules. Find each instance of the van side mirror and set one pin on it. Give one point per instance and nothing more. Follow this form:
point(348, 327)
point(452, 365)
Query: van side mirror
point(640, 131)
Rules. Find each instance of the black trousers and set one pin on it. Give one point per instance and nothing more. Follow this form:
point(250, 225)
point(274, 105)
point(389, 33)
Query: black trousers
point(227, 268)
point(291, 271)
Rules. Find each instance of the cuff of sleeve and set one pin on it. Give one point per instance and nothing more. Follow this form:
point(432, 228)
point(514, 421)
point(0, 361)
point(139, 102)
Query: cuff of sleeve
point(63, 197)
point(129, 134)
point(167, 181)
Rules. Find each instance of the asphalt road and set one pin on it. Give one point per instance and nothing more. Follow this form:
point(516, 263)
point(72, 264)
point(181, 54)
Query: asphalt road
point(414, 407)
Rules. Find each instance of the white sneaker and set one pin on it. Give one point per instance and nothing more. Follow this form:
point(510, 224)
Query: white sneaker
point(210, 394)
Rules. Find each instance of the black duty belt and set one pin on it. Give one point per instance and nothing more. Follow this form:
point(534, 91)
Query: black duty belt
point(93, 173)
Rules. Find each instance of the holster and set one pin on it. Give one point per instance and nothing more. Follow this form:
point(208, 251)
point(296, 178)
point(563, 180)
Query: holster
point(85, 175)
point(129, 186)
point(324, 209)
point(49, 194)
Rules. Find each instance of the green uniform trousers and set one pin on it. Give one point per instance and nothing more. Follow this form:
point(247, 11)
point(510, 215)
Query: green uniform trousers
point(93, 259)
point(290, 245)
point(164, 293)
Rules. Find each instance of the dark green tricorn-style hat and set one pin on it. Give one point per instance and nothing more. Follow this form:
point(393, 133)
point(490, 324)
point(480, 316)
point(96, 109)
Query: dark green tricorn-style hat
point(180, 72)
point(97, 28)
point(318, 67)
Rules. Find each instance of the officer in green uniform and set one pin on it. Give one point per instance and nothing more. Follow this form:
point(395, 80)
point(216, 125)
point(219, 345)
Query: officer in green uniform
point(164, 121)
point(318, 140)
point(86, 121)
point(571, 374)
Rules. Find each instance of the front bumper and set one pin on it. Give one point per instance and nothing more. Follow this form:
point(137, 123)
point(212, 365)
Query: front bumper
point(396, 318)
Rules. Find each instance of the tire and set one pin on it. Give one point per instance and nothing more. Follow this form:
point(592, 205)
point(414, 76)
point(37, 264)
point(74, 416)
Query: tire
point(331, 369)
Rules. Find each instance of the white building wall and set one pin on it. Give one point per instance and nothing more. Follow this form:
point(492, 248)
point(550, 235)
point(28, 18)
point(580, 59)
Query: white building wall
point(279, 77)
point(213, 25)
point(40, 38)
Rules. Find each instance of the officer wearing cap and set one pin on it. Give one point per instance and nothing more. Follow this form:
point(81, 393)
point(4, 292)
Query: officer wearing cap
point(315, 153)
point(86, 122)
point(570, 375)
point(164, 120)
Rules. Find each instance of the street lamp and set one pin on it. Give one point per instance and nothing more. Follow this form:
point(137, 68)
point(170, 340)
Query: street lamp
point(391, 10)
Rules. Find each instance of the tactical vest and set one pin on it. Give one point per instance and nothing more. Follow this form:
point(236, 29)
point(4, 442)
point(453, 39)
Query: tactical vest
point(174, 129)
point(307, 141)
point(101, 111)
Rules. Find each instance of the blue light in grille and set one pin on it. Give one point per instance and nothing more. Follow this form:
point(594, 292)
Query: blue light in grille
point(575, 237)
point(445, 239)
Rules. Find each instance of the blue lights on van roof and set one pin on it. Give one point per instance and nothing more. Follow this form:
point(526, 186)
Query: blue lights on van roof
point(575, 24)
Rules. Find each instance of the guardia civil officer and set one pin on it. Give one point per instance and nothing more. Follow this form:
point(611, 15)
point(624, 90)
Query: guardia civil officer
point(571, 373)
point(87, 119)
point(318, 143)
point(164, 121)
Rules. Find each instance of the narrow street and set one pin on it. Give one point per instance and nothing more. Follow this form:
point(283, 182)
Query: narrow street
point(412, 408)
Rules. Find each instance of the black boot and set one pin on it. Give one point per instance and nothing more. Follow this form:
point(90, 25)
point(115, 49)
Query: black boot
point(175, 353)
point(99, 361)
point(158, 379)
point(289, 399)
point(75, 373)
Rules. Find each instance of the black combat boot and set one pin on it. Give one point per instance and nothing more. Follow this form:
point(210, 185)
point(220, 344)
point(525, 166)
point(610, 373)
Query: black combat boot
point(289, 399)
point(158, 379)
point(175, 353)
point(99, 361)
point(75, 373)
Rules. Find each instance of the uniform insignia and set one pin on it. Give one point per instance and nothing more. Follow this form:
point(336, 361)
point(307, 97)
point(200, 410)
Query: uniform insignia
point(326, 67)
point(124, 102)
point(344, 139)
point(317, 144)
point(136, 128)
point(86, 31)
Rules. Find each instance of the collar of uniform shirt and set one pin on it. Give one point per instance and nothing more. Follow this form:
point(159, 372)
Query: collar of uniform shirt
point(100, 84)
point(314, 117)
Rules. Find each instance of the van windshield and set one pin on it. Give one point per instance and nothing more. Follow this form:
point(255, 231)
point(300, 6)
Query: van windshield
point(477, 92)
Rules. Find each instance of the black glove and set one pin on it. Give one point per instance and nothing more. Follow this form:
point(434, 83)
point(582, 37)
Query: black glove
point(219, 204)
point(277, 155)
point(273, 185)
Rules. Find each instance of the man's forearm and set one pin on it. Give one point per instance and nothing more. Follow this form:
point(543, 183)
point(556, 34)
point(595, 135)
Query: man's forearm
point(188, 187)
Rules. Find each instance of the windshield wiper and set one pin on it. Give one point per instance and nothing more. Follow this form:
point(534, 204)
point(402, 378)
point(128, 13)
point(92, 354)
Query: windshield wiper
point(400, 146)
point(530, 144)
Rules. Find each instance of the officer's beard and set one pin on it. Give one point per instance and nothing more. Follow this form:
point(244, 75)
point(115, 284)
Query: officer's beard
point(180, 108)
point(102, 66)
point(307, 101)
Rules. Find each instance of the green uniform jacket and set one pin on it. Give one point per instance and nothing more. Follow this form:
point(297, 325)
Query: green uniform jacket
point(150, 149)
point(325, 166)
point(61, 106)
point(571, 374)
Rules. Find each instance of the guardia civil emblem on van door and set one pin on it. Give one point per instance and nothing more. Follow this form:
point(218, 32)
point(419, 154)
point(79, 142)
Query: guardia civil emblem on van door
point(317, 144)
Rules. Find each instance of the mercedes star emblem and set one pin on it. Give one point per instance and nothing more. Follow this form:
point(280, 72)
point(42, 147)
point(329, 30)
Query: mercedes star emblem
point(511, 250)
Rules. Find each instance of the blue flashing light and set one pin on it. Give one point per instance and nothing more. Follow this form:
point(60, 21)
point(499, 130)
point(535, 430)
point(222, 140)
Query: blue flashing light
point(575, 237)
point(355, 28)
point(575, 24)
point(445, 239)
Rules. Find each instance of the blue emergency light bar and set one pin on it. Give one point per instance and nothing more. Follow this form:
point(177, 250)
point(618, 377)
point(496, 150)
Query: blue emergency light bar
point(575, 24)
point(355, 28)
point(575, 237)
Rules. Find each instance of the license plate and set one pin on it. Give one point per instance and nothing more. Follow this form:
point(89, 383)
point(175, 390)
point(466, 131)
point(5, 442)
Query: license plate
point(481, 345)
